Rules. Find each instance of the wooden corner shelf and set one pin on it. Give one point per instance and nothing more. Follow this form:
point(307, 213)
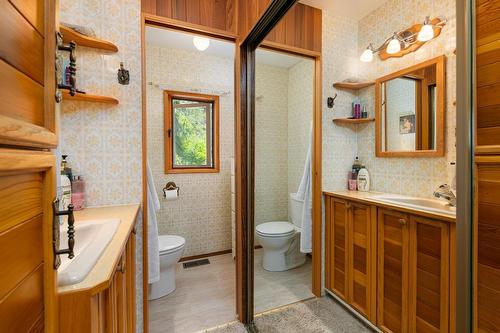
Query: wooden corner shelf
point(353, 85)
point(353, 121)
point(82, 40)
point(89, 98)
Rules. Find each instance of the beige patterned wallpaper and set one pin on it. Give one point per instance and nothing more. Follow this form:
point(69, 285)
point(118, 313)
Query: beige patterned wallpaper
point(412, 176)
point(271, 143)
point(202, 213)
point(300, 110)
point(103, 142)
point(344, 40)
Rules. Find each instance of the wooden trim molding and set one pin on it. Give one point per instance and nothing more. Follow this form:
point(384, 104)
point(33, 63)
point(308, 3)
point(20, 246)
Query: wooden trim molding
point(169, 137)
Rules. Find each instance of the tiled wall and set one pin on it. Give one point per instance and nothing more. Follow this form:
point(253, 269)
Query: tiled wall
point(202, 213)
point(300, 107)
point(104, 142)
point(271, 143)
point(412, 176)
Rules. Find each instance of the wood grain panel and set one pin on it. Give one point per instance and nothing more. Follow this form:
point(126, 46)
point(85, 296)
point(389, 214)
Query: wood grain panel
point(338, 254)
point(393, 260)
point(22, 45)
point(488, 248)
point(360, 247)
point(21, 251)
point(21, 97)
point(210, 14)
point(20, 199)
point(429, 275)
point(20, 309)
point(33, 11)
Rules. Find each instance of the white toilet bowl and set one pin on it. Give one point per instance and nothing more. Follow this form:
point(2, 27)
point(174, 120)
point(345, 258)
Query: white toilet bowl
point(280, 240)
point(171, 248)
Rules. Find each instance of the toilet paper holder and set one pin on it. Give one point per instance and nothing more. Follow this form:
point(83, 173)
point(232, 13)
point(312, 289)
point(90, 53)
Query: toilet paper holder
point(169, 187)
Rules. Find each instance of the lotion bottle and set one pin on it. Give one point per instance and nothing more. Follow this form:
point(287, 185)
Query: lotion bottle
point(363, 180)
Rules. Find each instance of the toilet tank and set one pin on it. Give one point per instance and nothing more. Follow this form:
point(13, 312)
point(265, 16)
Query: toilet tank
point(295, 207)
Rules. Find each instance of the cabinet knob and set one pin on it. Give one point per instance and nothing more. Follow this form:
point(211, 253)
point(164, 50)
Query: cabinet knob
point(402, 221)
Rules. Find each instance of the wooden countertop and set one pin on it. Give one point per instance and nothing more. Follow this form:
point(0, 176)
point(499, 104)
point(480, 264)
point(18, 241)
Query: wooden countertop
point(370, 198)
point(99, 277)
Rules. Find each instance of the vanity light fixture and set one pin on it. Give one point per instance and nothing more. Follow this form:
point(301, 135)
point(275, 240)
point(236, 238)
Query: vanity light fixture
point(201, 43)
point(405, 41)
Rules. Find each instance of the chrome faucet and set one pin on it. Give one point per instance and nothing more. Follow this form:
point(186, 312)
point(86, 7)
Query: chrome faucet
point(444, 191)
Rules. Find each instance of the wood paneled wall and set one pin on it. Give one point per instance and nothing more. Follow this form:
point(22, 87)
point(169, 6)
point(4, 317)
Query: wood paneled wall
point(299, 30)
point(211, 14)
point(487, 180)
point(488, 72)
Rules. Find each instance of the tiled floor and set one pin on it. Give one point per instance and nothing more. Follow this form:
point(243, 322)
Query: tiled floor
point(205, 295)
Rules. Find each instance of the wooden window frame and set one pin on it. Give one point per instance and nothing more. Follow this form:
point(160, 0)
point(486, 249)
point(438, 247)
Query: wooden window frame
point(169, 139)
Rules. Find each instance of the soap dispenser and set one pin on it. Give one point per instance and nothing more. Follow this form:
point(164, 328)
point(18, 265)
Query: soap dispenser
point(363, 180)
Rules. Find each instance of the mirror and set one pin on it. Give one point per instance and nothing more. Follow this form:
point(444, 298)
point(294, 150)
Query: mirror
point(410, 111)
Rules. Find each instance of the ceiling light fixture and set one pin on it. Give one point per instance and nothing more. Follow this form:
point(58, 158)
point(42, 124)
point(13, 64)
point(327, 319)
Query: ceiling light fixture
point(201, 43)
point(400, 41)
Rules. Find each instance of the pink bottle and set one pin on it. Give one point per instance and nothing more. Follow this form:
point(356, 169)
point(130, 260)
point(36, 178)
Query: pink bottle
point(78, 193)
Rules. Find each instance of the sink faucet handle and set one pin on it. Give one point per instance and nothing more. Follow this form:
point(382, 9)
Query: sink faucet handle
point(444, 186)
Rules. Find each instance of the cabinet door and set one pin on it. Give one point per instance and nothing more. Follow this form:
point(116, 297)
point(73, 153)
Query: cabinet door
point(337, 257)
point(27, 78)
point(28, 282)
point(429, 275)
point(393, 258)
point(361, 259)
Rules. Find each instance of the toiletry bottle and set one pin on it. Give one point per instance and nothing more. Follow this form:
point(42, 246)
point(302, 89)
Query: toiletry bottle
point(364, 114)
point(356, 166)
point(352, 181)
point(363, 180)
point(78, 192)
point(65, 168)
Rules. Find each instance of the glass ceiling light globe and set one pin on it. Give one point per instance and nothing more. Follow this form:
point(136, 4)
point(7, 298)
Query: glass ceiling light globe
point(394, 46)
point(201, 43)
point(367, 55)
point(426, 33)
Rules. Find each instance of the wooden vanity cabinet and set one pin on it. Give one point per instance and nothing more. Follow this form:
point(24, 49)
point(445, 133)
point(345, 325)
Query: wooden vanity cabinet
point(352, 269)
point(110, 309)
point(391, 266)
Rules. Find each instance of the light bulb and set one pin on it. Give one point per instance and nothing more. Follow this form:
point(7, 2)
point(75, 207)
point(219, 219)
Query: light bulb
point(367, 55)
point(426, 33)
point(201, 43)
point(394, 46)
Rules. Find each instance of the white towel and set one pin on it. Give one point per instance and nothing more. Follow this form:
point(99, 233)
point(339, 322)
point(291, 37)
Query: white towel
point(153, 251)
point(304, 192)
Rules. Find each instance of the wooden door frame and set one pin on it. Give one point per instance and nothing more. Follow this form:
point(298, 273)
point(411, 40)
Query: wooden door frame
point(243, 102)
point(245, 159)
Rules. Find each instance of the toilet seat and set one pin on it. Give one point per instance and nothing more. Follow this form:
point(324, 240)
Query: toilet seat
point(276, 229)
point(170, 243)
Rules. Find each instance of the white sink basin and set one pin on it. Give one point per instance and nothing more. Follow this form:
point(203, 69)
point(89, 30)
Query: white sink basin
point(430, 205)
point(91, 238)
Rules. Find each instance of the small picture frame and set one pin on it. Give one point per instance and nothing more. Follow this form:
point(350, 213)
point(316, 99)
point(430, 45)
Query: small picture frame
point(407, 124)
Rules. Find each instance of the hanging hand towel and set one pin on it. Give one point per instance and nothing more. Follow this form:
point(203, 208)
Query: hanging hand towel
point(304, 192)
point(153, 250)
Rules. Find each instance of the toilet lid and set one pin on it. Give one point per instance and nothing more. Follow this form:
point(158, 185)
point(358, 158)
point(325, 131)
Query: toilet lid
point(275, 228)
point(169, 243)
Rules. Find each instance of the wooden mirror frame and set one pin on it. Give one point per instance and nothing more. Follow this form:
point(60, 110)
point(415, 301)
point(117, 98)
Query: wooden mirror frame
point(440, 110)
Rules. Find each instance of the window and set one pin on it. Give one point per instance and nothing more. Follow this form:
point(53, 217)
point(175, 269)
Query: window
point(191, 133)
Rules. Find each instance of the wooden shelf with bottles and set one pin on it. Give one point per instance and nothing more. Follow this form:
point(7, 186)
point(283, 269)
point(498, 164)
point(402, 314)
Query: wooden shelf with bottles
point(89, 98)
point(353, 85)
point(69, 35)
point(353, 120)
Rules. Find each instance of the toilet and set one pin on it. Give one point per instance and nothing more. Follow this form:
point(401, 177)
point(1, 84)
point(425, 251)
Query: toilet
point(280, 240)
point(171, 248)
